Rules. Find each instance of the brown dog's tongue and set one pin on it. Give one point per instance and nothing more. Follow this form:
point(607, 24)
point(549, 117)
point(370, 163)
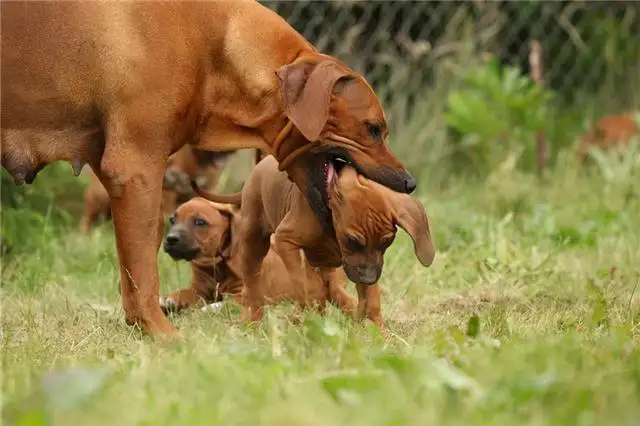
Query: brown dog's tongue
point(329, 177)
point(331, 173)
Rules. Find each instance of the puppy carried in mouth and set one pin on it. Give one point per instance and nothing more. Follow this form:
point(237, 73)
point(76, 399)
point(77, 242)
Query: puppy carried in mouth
point(276, 215)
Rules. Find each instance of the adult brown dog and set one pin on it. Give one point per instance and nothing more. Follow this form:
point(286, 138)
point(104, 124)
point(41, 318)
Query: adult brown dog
point(184, 166)
point(203, 232)
point(123, 85)
point(364, 218)
point(608, 132)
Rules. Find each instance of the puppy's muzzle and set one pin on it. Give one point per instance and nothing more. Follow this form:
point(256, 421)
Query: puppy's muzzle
point(363, 274)
point(179, 246)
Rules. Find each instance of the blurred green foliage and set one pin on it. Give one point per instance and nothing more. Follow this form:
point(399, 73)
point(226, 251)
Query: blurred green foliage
point(31, 214)
point(497, 112)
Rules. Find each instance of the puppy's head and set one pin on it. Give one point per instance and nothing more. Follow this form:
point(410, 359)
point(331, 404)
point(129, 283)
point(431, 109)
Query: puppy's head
point(199, 231)
point(365, 217)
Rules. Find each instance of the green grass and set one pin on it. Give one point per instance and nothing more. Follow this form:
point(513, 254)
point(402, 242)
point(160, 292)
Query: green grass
point(529, 315)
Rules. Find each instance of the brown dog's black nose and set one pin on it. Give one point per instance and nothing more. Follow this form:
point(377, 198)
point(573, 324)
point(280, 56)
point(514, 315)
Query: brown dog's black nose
point(172, 239)
point(410, 185)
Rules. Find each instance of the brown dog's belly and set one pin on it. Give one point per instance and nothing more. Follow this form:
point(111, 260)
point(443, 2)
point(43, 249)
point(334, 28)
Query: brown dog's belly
point(48, 108)
point(26, 152)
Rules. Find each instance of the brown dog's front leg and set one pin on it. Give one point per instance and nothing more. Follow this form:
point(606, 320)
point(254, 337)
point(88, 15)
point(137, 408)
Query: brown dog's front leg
point(369, 304)
point(181, 299)
point(253, 249)
point(304, 283)
point(133, 179)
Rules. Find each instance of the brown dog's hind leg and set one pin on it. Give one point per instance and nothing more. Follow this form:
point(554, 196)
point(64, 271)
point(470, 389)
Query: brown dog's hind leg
point(96, 204)
point(90, 214)
point(132, 176)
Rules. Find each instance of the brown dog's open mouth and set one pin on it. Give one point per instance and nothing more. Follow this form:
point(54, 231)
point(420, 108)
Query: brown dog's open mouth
point(332, 167)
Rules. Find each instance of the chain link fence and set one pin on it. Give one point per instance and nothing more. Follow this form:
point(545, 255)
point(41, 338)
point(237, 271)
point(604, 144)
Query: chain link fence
point(406, 47)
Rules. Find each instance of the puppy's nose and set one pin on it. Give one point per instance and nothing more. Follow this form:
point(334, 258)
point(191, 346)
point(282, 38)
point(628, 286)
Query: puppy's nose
point(410, 185)
point(172, 239)
point(368, 274)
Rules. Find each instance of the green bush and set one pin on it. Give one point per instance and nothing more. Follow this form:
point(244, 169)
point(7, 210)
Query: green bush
point(496, 113)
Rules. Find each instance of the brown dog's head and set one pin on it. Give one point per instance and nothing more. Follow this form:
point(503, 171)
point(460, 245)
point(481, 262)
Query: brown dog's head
point(365, 216)
point(332, 105)
point(199, 231)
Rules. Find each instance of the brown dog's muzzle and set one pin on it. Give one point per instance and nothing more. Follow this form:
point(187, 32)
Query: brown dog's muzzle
point(365, 274)
point(179, 245)
point(384, 168)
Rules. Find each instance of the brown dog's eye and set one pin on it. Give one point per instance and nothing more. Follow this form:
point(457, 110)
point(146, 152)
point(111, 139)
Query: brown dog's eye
point(199, 222)
point(375, 130)
point(172, 220)
point(384, 244)
point(353, 244)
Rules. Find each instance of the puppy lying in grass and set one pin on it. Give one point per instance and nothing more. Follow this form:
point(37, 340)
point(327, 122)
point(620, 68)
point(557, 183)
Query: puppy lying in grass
point(276, 217)
point(202, 232)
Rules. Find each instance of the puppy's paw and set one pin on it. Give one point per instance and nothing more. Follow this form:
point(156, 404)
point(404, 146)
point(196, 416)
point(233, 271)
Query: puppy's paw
point(214, 307)
point(168, 305)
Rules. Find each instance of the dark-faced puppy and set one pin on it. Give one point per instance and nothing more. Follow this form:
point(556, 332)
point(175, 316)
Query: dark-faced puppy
point(196, 231)
point(201, 233)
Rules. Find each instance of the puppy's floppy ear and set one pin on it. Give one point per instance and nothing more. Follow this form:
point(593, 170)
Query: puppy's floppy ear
point(307, 87)
point(232, 213)
point(226, 209)
point(411, 217)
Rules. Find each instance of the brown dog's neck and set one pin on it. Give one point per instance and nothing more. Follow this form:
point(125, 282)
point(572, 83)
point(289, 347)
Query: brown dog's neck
point(221, 276)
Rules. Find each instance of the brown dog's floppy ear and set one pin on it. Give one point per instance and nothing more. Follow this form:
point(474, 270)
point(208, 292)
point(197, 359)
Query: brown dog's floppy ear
point(307, 88)
point(411, 217)
point(231, 213)
point(226, 209)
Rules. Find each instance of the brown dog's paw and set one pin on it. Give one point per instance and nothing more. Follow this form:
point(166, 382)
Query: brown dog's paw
point(168, 305)
point(212, 307)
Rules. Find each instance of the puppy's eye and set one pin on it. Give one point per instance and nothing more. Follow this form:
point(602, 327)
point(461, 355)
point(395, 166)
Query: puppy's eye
point(384, 244)
point(374, 130)
point(172, 220)
point(353, 244)
point(200, 223)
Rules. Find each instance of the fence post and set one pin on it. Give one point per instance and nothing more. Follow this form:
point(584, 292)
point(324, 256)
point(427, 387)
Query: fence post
point(535, 68)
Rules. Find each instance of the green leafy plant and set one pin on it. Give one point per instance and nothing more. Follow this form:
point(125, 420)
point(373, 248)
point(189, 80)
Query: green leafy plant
point(496, 113)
